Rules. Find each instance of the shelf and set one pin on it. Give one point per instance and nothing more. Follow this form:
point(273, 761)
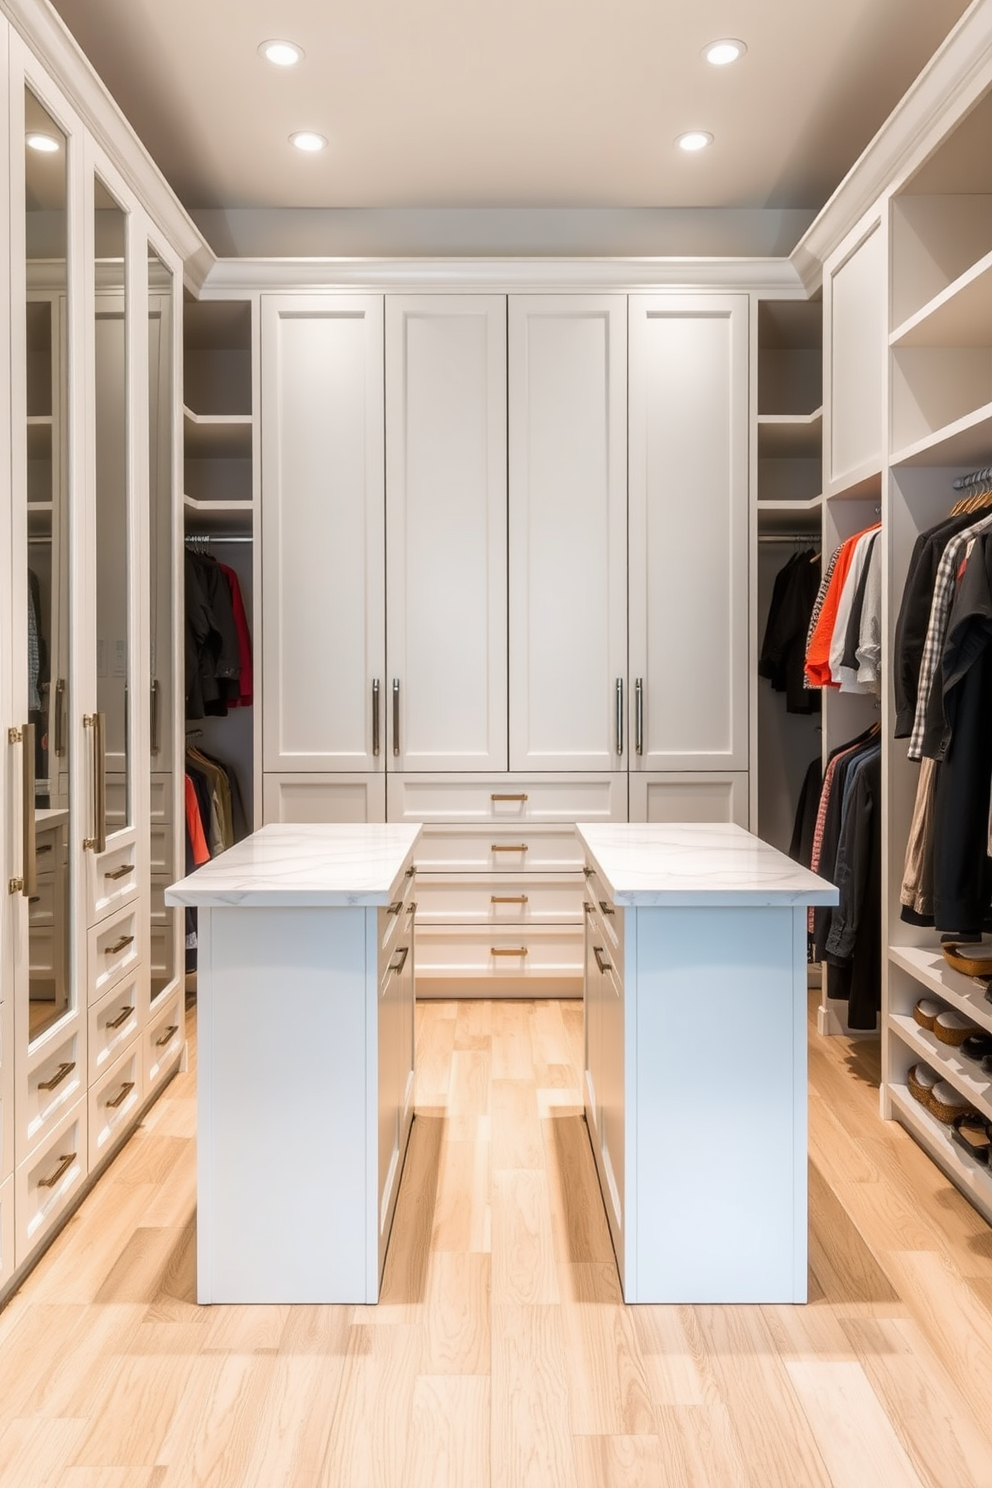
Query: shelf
point(790, 436)
point(970, 1176)
point(863, 484)
point(222, 436)
point(961, 315)
point(929, 968)
point(39, 439)
point(790, 516)
point(964, 1074)
point(967, 441)
point(217, 516)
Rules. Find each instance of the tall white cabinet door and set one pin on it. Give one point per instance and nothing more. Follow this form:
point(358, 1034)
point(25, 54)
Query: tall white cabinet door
point(446, 531)
point(323, 544)
point(568, 531)
point(688, 547)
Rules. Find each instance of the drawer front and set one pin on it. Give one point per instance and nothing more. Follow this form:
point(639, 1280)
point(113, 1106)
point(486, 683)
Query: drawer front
point(161, 848)
point(324, 798)
point(43, 956)
point(709, 796)
point(501, 900)
point(112, 880)
point(395, 925)
point(41, 907)
point(604, 916)
point(163, 1040)
point(113, 1101)
point(464, 952)
point(499, 849)
point(51, 1085)
point(162, 787)
point(513, 798)
point(6, 1089)
point(47, 1181)
point(113, 951)
point(7, 1262)
point(113, 1025)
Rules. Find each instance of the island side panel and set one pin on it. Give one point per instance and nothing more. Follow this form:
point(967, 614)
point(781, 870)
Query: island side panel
point(721, 1128)
point(282, 1174)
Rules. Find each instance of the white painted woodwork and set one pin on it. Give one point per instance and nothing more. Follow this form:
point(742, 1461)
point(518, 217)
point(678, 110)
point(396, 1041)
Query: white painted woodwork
point(6, 1228)
point(567, 389)
point(113, 1101)
point(48, 1181)
point(322, 533)
point(507, 901)
point(324, 798)
point(935, 240)
point(57, 1061)
point(113, 950)
point(528, 953)
point(446, 532)
point(558, 797)
point(688, 532)
point(111, 878)
point(690, 797)
point(854, 316)
point(453, 848)
point(113, 1024)
point(162, 1040)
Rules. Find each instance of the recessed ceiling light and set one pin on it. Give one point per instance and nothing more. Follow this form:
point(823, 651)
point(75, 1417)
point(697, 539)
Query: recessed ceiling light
point(46, 143)
point(306, 140)
point(721, 53)
point(281, 53)
point(694, 139)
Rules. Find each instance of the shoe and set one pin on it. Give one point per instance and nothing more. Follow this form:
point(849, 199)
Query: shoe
point(971, 1131)
point(946, 1103)
point(926, 1011)
point(953, 1028)
point(977, 1046)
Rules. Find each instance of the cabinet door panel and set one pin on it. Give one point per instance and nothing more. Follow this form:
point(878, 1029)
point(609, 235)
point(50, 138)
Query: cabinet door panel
point(567, 529)
point(704, 797)
point(446, 531)
point(322, 532)
point(688, 531)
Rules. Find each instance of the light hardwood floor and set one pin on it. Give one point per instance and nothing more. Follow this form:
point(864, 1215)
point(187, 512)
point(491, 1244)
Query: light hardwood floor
point(500, 1352)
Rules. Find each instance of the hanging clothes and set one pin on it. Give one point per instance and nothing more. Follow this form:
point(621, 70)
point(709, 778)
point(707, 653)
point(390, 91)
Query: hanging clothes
point(843, 648)
point(213, 658)
point(245, 676)
point(783, 647)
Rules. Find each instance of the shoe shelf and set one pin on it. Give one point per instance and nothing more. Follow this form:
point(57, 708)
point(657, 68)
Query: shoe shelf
point(929, 968)
point(971, 1176)
point(964, 1074)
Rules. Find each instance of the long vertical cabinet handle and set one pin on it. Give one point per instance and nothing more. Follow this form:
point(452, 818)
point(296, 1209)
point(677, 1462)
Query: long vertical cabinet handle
point(375, 717)
point(97, 722)
point(154, 718)
point(620, 715)
point(639, 715)
point(396, 715)
point(27, 884)
point(60, 717)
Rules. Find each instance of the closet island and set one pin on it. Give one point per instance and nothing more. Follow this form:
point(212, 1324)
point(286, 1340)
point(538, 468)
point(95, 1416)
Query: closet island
point(695, 1057)
point(305, 1066)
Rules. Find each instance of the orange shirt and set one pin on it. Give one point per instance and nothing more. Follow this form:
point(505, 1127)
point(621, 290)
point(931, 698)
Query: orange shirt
point(194, 825)
point(818, 650)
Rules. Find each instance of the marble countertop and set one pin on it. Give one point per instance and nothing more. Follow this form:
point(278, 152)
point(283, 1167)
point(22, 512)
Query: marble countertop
point(696, 863)
point(303, 866)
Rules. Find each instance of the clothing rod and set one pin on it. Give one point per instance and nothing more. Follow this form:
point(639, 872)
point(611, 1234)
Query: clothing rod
point(194, 538)
point(976, 478)
point(789, 537)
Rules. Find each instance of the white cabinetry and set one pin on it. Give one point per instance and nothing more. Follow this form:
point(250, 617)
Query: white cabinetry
point(446, 531)
point(854, 299)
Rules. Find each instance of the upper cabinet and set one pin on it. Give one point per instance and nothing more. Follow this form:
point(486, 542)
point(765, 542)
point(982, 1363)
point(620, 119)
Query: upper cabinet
point(688, 540)
point(568, 531)
point(854, 299)
point(446, 531)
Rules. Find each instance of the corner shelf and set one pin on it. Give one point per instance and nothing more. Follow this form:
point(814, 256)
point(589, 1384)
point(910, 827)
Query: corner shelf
point(796, 436)
point(217, 517)
point(961, 315)
point(217, 436)
point(966, 1172)
point(966, 441)
point(929, 968)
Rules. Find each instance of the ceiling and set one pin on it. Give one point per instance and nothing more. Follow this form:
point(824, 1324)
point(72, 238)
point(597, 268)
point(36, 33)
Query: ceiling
point(507, 103)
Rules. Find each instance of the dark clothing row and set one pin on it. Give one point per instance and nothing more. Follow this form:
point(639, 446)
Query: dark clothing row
point(215, 820)
point(783, 649)
point(217, 642)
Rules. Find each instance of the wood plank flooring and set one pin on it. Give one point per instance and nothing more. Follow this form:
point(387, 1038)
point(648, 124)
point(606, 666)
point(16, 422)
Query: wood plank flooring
point(500, 1353)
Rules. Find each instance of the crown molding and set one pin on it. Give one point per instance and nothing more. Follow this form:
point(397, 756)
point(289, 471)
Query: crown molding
point(768, 277)
point(44, 32)
point(956, 76)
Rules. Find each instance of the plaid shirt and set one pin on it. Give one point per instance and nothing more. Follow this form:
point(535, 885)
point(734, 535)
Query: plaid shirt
point(940, 609)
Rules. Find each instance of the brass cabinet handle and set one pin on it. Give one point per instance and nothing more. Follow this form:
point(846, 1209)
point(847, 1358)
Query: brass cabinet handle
point(116, 873)
point(410, 872)
point(606, 907)
point(121, 1095)
point(395, 907)
point(411, 908)
point(122, 1017)
point(375, 716)
point(118, 945)
point(153, 724)
point(60, 717)
point(587, 906)
point(396, 715)
point(519, 796)
point(65, 1163)
point(27, 884)
point(400, 961)
point(587, 871)
point(508, 950)
point(507, 898)
point(639, 715)
point(97, 722)
point(64, 1068)
point(620, 715)
point(601, 961)
point(508, 847)
point(173, 1028)
point(46, 847)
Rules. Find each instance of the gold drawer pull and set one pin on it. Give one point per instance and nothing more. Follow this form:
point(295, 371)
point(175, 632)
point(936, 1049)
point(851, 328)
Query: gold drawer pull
point(588, 872)
point(120, 872)
point(395, 907)
point(122, 1017)
point(411, 908)
point(119, 945)
point(601, 961)
point(58, 1077)
point(172, 1029)
point(508, 950)
point(606, 907)
point(411, 871)
point(121, 1095)
point(65, 1163)
point(587, 906)
point(400, 962)
point(44, 847)
point(508, 847)
point(508, 899)
point(520, 796)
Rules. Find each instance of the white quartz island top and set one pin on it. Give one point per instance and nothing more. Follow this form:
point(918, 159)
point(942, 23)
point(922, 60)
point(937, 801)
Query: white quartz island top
point(306, 865)
point(645, 864)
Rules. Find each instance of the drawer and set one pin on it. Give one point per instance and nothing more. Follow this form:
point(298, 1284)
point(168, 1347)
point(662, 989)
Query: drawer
point(498, 849)
point(47, 1181)
point(113, 951)
point(112, 1025)
point(7, 1262)
point(680, 796)
point(324, 798)
point(510, 798)
point(6, 1089)
point(161, 791)
point(460, 951)
point(163, 1040)
point(163, 850)
point(112, 880)
point(604, 916)
point(113, 1101)
point(533, 899)
point(41, 905)
point(50, 1085)
point(394, 923)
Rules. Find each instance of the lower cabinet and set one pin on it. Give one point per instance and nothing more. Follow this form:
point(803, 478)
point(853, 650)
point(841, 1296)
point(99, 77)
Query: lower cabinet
point(701, 796)
point(324, 798)
point(112, 1102)
point(48, 1180)
point(604, 1051)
